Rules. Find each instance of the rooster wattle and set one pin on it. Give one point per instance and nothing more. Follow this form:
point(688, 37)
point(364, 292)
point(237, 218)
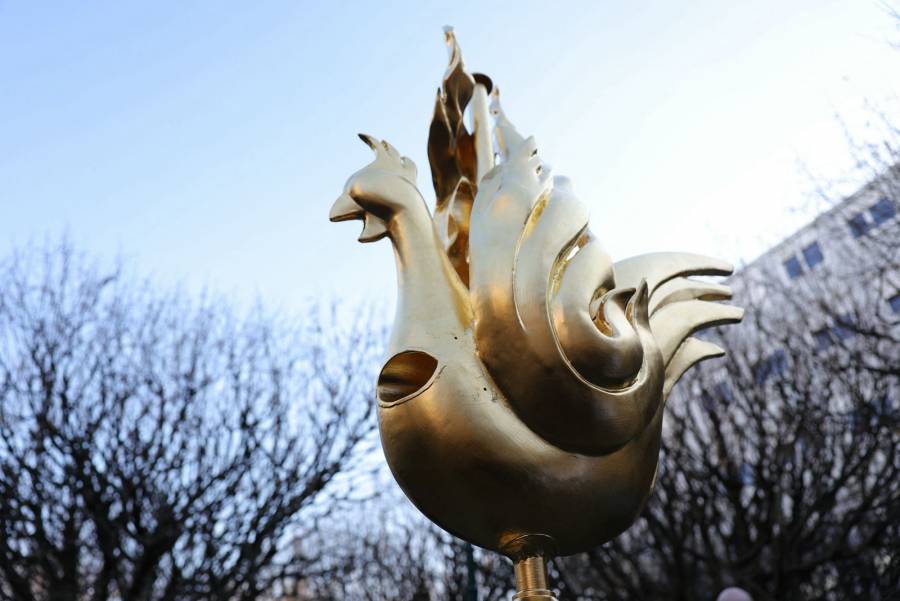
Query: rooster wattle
point(525, 388)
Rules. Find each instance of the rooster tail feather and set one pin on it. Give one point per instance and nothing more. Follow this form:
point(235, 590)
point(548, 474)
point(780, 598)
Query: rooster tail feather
point(680, 306)
point(659, 268)
point(481, 132)
point(508, 137)
point(682, 289)
point(675, 322)
point(544, 295)
point(639, 306)
point(691, 352)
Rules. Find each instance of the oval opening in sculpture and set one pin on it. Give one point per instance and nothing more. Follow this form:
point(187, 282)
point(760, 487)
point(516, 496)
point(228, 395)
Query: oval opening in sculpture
point(405, 374)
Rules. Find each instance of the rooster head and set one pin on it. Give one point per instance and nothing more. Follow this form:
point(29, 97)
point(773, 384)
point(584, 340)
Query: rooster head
point(378, 192)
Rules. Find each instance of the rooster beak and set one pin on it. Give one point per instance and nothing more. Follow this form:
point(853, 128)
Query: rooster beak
point(345, 208)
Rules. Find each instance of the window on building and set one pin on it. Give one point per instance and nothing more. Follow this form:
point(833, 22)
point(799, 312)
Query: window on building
point(844, 327)
point(894, 302)
point(772, 365)
point(883, 210)
point(794, 268)
point(779, 362)
point(813, 255)
point(745, 474)
point(822, 338)
point(859, 225)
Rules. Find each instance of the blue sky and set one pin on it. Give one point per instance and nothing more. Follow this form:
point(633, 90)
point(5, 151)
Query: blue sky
point(205, 141)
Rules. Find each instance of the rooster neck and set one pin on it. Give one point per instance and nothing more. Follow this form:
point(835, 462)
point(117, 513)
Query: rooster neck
point(432, 301)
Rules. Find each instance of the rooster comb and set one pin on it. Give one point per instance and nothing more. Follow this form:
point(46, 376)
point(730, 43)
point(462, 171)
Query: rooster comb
point(389, 158)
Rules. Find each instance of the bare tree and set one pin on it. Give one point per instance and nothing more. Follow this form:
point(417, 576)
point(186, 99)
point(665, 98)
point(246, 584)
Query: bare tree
point(384, 551)
point(388, 550)
point(158, 448)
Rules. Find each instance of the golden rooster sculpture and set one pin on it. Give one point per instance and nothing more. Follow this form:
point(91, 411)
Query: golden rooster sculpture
point(522, 403)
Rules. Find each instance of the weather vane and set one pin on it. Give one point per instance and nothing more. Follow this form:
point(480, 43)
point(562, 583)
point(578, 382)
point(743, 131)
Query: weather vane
point(521, 405)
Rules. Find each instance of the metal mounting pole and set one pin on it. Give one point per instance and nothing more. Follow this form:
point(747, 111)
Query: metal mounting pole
point(531, 580)
point(529, 555)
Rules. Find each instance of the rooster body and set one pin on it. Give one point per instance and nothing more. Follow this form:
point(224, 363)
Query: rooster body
point(525, 387)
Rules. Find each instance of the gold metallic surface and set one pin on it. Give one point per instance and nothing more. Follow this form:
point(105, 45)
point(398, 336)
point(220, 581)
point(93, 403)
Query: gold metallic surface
point(531, 580)
point(529, 554)
point(524, 391)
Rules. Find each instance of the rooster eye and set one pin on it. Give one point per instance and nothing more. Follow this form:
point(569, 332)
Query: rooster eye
point(404, 374)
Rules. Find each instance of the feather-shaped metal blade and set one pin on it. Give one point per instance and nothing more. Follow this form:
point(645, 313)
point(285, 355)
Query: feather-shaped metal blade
point(675, 322)
point(682, 289)
point(658, 268)
point(508, 137)
point(691, 352)
point(481, 134)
